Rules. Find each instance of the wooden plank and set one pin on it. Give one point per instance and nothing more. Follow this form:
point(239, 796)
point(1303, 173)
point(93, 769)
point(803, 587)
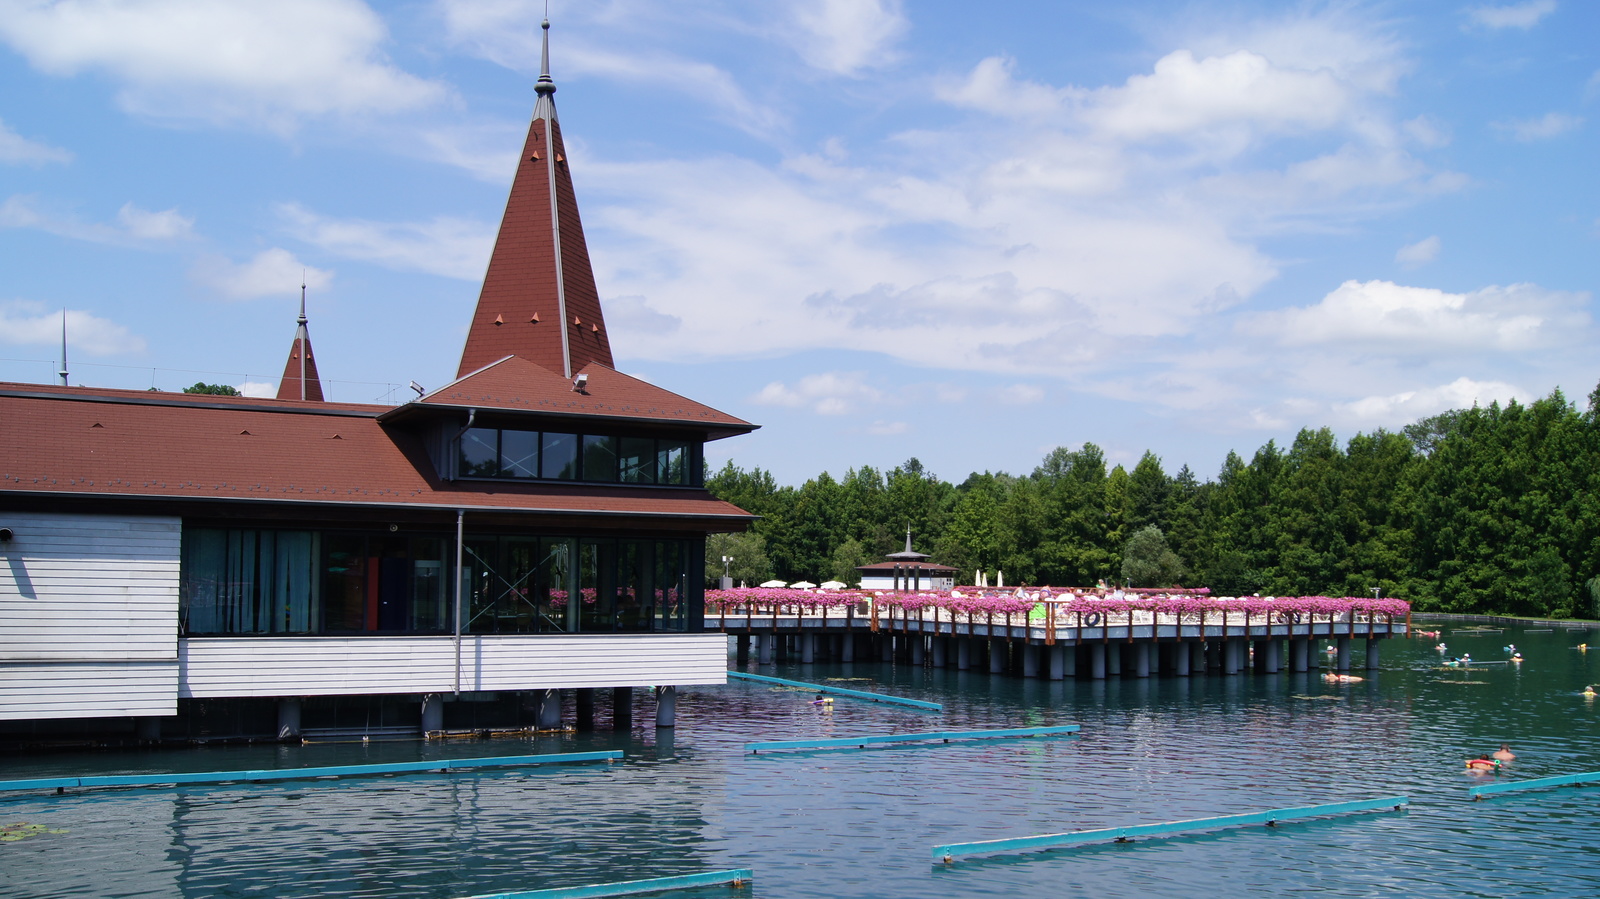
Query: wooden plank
point(1538, 783)
point(946, 736)
point(949, 852)
point(839, 691)
point(736, 877)
point(216, 777)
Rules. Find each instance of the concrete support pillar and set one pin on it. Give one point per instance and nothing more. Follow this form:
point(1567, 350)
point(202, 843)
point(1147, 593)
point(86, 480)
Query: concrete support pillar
point(840, 641)
point(741, 651)
point(1058, 662)
point(666, 706)
point(847, 649)
point(1114, 659)
point(939, 652)
point(622, 708)
point(1197, 658)
point(1230, 655)
point(585, 704)
point(1097, 661)
point(917, 650)
point(1030, 660)
point(764, 648)
point(1299, 653)
point(1372, 653)
point(289, 718)
point(997, 655)
point(147, 729)
point(808, 650)
point(1274, 654)
point(963, 653)
point(886, 647)
point(1141, 660)
point(432, 717)
point(1343, 643)
point(1180, 659)
point(549, 715)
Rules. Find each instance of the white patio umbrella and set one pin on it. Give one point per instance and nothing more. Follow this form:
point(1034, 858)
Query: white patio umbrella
point(832, 585)
point(773, 584)
point(802, 585)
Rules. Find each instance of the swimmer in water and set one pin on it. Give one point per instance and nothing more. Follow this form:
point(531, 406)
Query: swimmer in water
point(822, 700)
point(1484, 766)
point(1442, 648)
point(1504, 753)
point(1591, 691)
point(1341, 678)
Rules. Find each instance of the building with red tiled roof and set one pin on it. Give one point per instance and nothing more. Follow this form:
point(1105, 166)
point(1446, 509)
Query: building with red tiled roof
point(196, 566)
point(907, 570)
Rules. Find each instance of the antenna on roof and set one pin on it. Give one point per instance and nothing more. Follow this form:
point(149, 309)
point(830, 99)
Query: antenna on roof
point(63, 371)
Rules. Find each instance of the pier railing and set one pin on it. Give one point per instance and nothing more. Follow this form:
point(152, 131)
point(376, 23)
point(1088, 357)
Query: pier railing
point(1075, 619)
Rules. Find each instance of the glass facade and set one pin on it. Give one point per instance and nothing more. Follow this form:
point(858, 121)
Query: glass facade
point(241, 581)
point(559, 456)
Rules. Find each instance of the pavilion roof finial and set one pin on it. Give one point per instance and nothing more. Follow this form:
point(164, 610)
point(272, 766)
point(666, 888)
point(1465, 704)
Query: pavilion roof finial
point(546, 86)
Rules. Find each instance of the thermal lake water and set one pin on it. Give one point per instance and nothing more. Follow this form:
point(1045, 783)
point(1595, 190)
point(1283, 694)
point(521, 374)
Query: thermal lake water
point(862, 823)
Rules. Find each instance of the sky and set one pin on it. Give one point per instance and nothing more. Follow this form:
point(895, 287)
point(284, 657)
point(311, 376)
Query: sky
point(965, 233)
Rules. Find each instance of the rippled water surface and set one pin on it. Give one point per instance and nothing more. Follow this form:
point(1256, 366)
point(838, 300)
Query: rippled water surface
point(861, 823)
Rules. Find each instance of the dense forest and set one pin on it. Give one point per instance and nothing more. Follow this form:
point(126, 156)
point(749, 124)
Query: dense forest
point(1492, 509)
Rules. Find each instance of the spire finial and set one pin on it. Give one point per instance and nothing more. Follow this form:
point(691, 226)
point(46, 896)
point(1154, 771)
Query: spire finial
point(546, 85)
point(908, 537)
point(63, 371)
point(302, 319)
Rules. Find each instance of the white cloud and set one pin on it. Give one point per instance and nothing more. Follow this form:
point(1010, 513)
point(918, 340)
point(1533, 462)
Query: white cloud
point(1424, 320)
point(274, 272)
point(1407, 406)
point(1551, 124)
point(1514, 15)
point(830, 393)
point(261, 389)
point(1422, 252)
point(135, 226)
point(26, 323)
point(452, 247)
point(1021, 395)
point(1183, 95)
point(992, 87)
point(881, 428)
point(142, 224)
point(846, 36)
point(18, 150)
point(255, 65)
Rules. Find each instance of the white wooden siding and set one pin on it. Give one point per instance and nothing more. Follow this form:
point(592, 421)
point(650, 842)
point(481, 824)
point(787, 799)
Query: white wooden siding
point(87, 689)
point(215, 667)
point(88, 616)
point(89, 588)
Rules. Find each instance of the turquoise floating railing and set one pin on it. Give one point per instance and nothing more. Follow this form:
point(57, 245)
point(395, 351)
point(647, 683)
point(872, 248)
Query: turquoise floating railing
point(949, 852)
point(737, 877)
point(216, 777)
point(1481, 790)
point(839, 691)
point(863, 741)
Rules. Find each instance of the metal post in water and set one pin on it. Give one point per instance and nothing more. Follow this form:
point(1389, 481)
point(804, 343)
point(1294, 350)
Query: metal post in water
point(622, 708)
point(666, 706)
point(432, 715)
point(289, 719)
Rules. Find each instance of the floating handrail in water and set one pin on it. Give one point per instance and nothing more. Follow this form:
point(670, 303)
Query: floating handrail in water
point(947, 736)
point(735, 878)
point(217, 777)
point(1479, 791)
point(839, 691)
point(1270, 818)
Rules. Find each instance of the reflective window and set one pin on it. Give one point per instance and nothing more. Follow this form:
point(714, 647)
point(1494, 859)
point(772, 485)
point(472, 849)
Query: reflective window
point(599, 457)
point(480, 453)
point(636, 460)
point(519, 454)
point(560, 460)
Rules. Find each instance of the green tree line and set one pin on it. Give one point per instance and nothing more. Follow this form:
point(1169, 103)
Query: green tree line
point(1489, 509)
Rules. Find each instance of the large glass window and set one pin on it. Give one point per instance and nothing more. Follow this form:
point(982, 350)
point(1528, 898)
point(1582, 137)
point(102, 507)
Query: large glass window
point(552, 455)
point(257, 581)
point(560, 457)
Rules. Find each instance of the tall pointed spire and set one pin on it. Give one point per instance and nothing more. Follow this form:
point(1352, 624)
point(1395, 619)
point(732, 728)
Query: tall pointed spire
point(300, 380)
point(63, 371)
point(539, 299)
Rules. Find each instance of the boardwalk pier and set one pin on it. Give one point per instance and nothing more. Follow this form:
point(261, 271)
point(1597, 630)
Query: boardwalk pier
point(1055, 639)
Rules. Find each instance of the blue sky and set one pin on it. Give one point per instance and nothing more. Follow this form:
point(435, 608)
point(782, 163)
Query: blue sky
point(966, 233)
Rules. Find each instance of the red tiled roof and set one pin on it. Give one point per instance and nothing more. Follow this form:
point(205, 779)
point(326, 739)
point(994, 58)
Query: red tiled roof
point(131, 444)
point(514, 384)
point(289, 387)
point(518, 312)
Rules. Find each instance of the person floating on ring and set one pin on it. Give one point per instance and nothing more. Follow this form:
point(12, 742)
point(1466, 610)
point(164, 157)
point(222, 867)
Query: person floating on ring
point(822, 700)
point(1485, 766)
